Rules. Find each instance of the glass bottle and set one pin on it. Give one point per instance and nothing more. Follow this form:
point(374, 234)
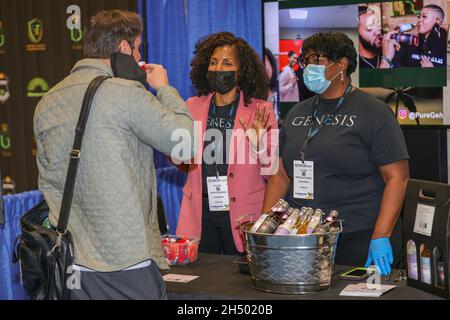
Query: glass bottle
point(425, 260)
point(270, 224)
point(289, 224)
point(316, 219)
point(439, 273)
point(304, 221)
point(411, 252)
point(327, 224)
point(405, 27)
point(278, 209)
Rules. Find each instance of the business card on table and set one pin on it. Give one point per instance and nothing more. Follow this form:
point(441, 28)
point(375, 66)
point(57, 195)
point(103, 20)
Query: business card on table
point(181, 278)
point(365, 290)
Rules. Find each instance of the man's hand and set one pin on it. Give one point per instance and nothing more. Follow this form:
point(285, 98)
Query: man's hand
point(390, 46)
point(156, 76)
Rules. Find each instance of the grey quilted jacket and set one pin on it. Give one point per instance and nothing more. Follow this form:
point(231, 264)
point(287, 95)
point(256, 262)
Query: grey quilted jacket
point(113, 218)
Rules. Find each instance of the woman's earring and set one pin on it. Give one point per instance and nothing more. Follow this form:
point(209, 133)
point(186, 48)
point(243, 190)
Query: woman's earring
point(436, 29)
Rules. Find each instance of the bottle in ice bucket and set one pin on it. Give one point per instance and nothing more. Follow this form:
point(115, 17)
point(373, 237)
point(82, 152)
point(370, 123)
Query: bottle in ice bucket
point(289, 224)
point(304, 221)
point(277, 210)
point(270, 224)
point(315, 221)
point(327, 225)
point(300, 218)
point(281, 208)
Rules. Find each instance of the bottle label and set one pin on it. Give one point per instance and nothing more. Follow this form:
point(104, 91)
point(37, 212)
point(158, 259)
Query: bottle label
point(412, 267)
point(259, 222)
point(282, 230)
point(426, 270)
point(269, 226)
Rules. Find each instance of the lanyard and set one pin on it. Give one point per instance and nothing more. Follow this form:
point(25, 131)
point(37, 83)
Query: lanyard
point(313, 132)
point(217, 146)
point(233, 107)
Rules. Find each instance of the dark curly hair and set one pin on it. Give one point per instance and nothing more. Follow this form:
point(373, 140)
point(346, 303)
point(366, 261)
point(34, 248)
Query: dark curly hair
point(335, 45)
point(252, 77)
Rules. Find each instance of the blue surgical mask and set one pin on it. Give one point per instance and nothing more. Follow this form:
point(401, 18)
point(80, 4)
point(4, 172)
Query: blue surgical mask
point(315, 80)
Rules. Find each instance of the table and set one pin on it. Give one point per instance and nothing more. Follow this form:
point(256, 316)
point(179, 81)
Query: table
point(220, 279)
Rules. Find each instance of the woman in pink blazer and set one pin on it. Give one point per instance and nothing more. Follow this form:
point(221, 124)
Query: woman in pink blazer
point(227, 179)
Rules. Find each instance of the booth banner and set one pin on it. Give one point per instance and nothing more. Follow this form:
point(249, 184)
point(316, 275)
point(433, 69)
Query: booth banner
point(40, 41)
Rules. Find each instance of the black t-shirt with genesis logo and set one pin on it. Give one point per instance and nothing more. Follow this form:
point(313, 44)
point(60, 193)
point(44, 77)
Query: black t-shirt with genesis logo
point(362, 136)
point(222, 120)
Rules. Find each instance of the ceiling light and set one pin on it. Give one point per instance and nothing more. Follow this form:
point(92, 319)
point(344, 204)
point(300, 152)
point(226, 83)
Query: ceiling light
point(298, 14)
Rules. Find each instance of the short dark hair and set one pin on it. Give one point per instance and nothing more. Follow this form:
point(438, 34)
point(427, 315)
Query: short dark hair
point(437, 9)
point(104, 32)
point(252, 77)
point(291, 53)
point(335, 45)
point(362, 9)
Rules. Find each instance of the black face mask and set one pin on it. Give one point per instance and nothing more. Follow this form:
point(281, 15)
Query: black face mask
point(124, 66)
point(222, 81)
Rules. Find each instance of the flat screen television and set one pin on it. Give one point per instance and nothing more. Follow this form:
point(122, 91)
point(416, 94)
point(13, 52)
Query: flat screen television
point(413, 33)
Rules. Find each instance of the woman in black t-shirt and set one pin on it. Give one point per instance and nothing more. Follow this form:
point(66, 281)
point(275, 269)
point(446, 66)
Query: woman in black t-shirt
point(431, 50)
point(355, 161)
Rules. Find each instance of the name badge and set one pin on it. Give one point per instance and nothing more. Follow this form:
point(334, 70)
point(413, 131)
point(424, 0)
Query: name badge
point(218, 194)
point(304, 180)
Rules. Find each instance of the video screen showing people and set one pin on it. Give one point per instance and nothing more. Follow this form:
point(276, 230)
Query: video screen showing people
point(402, 47)
point(403, 34)
point(285, 30)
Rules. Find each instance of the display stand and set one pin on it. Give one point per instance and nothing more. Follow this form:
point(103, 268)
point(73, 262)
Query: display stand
point(427, 236)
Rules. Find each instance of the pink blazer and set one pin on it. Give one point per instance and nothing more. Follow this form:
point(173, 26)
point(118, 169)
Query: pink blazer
point(246, 184)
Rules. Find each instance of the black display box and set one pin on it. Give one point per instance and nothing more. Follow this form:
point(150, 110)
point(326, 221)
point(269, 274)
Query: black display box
point(427, 236)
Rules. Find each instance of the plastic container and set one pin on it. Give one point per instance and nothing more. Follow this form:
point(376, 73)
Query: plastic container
point(180, 253)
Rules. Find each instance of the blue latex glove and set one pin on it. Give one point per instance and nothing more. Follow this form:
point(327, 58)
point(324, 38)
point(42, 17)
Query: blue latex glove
point(380, 254)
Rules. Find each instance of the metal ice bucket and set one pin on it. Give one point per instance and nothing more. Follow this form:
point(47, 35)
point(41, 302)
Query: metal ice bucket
point(290, 264)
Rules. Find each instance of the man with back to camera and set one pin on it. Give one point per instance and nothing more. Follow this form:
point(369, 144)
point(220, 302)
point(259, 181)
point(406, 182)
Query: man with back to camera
point(113, 219)
point(288, 80)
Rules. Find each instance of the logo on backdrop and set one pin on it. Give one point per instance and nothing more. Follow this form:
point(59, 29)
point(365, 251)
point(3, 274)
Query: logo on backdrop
point(76, 35)
point(403, 114)
point(9, 186)
point(35, 35)
point(74, 26)
point(4, 88)
point(37, 88)
point(2, 39)
point(5, 140)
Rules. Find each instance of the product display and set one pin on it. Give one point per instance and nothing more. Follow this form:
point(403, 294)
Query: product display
point(279, 210)
point(293, 255)
point(427, 236)
point(284, 220)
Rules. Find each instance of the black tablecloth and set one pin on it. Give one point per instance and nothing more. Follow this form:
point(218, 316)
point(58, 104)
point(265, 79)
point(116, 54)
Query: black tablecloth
point(219, 278)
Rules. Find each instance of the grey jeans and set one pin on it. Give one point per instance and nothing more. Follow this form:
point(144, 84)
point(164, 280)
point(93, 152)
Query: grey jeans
point(138, 284)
